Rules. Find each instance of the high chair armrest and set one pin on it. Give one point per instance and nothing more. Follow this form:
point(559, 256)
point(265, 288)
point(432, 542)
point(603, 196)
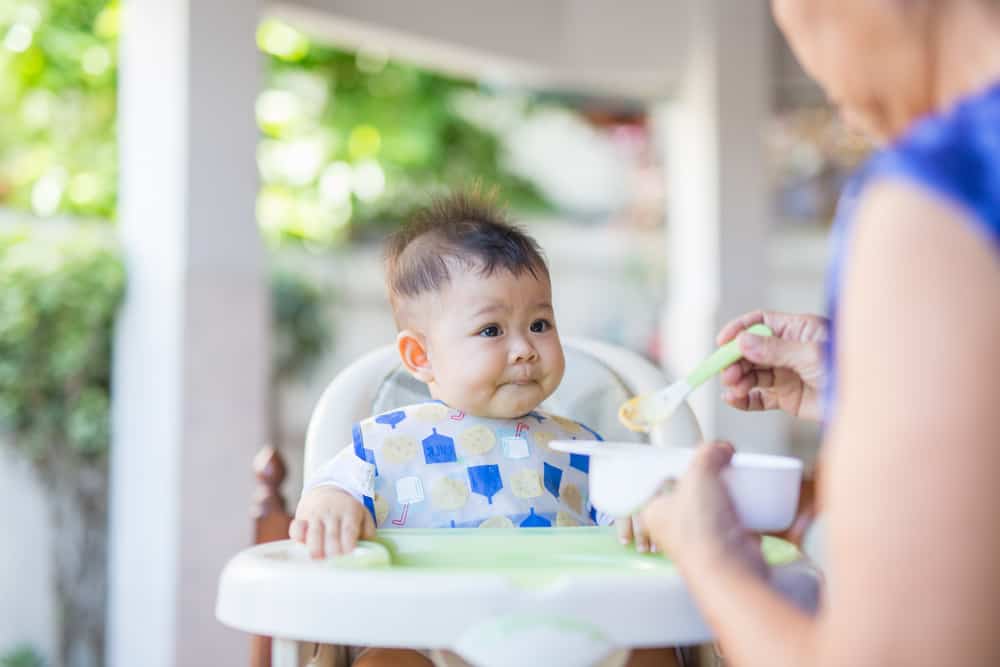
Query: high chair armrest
point(808, 509)
point(270, 524)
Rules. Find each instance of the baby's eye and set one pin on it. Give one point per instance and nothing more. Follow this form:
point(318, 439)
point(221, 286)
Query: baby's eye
point(540, 326)
point(491, 331)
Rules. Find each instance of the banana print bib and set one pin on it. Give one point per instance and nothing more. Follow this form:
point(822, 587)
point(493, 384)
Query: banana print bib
point(431, 466)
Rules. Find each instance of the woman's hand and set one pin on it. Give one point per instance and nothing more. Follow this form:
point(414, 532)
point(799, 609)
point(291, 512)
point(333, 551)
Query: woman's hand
point(780, 372)
point(696, 524)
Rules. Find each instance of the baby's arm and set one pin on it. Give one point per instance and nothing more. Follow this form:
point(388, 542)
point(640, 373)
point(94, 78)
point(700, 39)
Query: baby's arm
point(330, 517)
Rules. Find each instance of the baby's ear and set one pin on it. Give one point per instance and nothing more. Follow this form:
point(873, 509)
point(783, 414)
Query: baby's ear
point(411, 349)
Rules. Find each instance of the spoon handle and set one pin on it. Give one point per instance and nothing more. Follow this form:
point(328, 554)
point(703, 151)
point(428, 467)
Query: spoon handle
point(722, 358)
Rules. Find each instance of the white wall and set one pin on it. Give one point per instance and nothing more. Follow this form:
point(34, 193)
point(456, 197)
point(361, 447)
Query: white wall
point(631, 48)
point(712, 141)
point(27, 610)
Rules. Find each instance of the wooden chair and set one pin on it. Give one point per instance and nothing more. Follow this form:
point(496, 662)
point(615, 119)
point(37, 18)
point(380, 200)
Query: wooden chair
point(271, 520)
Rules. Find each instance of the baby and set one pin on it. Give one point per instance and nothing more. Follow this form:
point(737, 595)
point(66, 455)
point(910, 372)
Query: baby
point(473, 304)
point(472, 300)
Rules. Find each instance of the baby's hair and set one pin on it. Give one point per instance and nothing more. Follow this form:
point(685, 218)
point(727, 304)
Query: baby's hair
point(466, 230)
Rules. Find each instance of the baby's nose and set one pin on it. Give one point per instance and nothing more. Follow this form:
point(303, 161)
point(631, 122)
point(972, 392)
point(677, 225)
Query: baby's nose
point(522, 352)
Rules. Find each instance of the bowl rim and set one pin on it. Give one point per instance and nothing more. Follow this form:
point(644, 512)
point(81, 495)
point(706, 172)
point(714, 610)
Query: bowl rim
point(620, 449)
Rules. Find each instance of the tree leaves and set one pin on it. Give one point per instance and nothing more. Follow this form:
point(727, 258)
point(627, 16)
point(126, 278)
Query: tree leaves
point(58, 303)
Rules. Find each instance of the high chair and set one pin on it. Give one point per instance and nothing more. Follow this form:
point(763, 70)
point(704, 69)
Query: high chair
point(586, 619)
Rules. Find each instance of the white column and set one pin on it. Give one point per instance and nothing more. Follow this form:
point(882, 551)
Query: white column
point(191, 357)
point(713, 141)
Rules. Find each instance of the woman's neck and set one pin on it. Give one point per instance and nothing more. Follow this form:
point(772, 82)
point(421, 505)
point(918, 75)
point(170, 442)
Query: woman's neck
point(968, 51)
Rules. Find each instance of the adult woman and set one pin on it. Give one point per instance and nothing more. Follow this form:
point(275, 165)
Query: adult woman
point(912, 444)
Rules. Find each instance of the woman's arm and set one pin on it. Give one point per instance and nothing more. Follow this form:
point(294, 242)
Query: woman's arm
point(912, 461)
point(914, 458)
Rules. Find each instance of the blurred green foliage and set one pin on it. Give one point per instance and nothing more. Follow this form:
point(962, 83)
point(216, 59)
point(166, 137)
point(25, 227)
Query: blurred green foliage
point(62, 286)
point(352, 142)
point(57, 309)
point(349, 142)
point(22, 655)
point(302, 331)
point(57, 97)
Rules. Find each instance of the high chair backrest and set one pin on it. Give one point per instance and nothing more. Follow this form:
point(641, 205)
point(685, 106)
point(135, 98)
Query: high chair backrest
point(599, 378)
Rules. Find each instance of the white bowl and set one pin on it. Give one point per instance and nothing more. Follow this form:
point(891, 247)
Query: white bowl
point(624, 476)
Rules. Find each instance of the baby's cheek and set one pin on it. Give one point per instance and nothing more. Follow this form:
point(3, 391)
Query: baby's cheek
point(478, 377)
point(556, 362)
point(481, 394)
point(461, 388)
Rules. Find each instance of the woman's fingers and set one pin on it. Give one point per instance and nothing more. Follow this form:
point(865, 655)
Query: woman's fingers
point(786, 326)
point(712, 457)
point(738, 401)
point(734, 326)
point(741, 378)
point(773, 352)
point(750, 397)
point(736, 373)
point(731, 375)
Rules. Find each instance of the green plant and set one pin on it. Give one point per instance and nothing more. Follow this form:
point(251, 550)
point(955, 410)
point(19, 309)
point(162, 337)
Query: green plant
point(58, 70)
point(301, 334)
point(57, 308)
point(301, 330)
point(22, 655)
point(350, 143)
point(61, 291)
point(353, 142)
point(62, 287)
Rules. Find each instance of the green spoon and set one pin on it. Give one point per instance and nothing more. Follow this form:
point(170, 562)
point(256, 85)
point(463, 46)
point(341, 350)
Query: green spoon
point(642, 413)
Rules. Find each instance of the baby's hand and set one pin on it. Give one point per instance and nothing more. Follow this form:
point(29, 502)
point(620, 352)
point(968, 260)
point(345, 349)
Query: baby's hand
point(330, 522)
point(631, 529)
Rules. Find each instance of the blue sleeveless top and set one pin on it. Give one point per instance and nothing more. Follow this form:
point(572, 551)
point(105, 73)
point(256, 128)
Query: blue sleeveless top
point(954, 156)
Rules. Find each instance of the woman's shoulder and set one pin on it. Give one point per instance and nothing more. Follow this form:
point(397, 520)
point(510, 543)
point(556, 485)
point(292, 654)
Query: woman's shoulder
point(955, 155)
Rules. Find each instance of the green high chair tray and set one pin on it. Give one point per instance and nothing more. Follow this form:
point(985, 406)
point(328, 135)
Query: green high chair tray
point(537, 596)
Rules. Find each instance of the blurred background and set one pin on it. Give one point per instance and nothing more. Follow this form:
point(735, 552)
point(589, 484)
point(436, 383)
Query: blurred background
point(362, 111)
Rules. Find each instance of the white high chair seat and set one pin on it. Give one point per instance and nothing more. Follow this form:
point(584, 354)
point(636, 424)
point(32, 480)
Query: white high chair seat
point(590, 618)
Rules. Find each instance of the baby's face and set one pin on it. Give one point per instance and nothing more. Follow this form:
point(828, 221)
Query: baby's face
point(492, 343)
